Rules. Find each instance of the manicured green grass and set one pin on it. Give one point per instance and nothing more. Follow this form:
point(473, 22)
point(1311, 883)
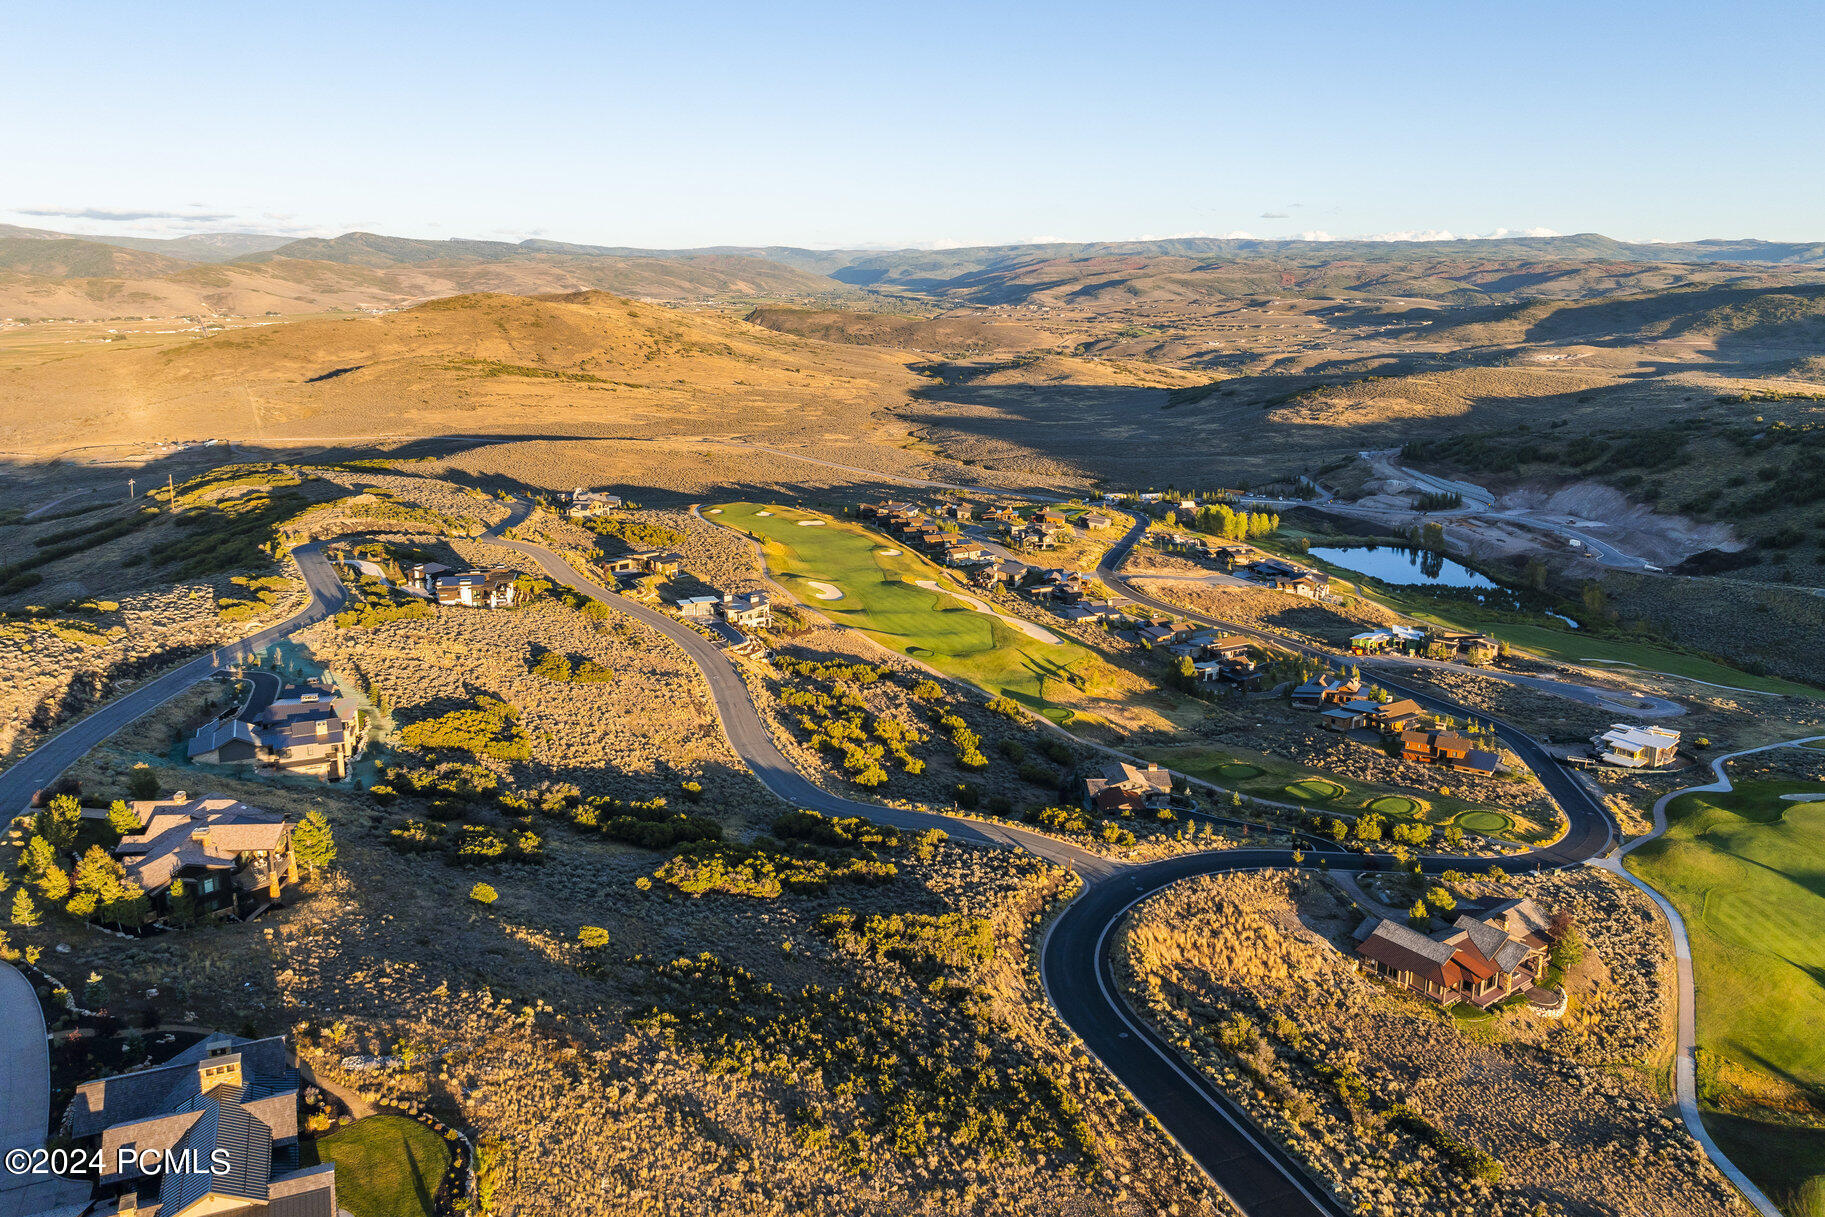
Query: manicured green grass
point(1784, 1160)
point(386, 1166)
point(1743, 868)
point(1483, 821)
point(1314, 790)
point(881, 598)
point(1568, 646)
point(1270, 777)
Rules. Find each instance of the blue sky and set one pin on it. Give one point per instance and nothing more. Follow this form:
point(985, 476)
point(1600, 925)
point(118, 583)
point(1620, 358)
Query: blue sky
point(873, 124)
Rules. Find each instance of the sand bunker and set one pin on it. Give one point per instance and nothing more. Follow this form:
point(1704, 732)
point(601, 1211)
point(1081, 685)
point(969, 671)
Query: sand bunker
point(1036, 632)
point(763, 513)
point(810, 523)
point(888, 553)
point(825, 591)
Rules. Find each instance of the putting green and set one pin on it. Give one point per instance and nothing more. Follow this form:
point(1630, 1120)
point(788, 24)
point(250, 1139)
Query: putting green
point(1395, 805)
point(1485, 822)
point(1238, 771)
point(881, 598)
point(1315, 790)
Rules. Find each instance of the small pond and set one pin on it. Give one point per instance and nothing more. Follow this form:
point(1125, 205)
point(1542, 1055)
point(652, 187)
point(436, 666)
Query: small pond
point(1398, 565)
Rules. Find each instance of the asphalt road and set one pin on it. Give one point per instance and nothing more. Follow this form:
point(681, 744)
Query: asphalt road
point(753, 743)
point(40, 767)
point(1257, 1175)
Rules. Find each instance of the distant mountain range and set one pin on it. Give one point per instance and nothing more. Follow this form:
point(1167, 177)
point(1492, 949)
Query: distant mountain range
point(52, 274)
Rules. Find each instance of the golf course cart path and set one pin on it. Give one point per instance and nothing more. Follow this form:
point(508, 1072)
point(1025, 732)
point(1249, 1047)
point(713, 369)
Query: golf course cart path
point(41, 766)
point(1685, 1061)
point(1038, 633)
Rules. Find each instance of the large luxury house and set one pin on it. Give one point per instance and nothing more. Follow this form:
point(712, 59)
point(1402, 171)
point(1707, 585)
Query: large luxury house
point(222, 1116)
point(1447, 749)
point(1120, 787)
point(477, 588)
point(1636, 747)
point(753, 610)
point(582, 502)
point(230, 857)
point(308, 728)
point(1482, 958)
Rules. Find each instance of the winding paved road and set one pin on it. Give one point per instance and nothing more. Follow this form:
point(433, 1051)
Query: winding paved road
point(40, 767)
point(1076, 967)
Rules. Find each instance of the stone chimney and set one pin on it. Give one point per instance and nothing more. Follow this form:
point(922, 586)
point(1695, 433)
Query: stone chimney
point(220, 1066)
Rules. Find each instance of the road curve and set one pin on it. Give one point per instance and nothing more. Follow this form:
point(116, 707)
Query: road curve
point(41, 766)
point(751, 740)
point(1076, 967)
point(1685, 1062)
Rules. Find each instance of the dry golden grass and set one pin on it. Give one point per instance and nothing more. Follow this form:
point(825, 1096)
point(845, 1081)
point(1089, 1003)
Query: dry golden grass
point(589, 364)
point(1559, 1104)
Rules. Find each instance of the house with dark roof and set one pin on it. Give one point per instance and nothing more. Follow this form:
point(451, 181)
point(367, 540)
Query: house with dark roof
point(1121, 787)
point(212, 1132)
point(1446, 748)
point(1467, 645)
point(230, 857)
point(1349, 714)
point(1325, 691)
point(477, 588)
point(1481, 958)
point(308, 728)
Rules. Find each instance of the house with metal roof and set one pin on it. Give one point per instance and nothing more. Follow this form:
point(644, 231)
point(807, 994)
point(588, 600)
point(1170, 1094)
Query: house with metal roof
point(1448, 749)
point(212, 1131)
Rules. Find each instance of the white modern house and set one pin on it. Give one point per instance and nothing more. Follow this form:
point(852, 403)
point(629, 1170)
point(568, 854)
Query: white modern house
point(1636, 747)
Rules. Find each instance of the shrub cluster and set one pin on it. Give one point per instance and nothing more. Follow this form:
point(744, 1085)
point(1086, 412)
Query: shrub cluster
point(923, 1088)
point(490, 728)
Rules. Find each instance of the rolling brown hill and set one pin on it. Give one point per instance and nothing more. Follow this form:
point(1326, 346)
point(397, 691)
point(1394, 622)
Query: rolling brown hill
point(950, 333)
point(68, 259)
point(584, 364)
point(42, 279)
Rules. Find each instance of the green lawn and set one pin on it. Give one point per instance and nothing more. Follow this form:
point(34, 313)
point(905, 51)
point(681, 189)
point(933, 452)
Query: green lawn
point(386, 1166)
point(1745, 871)
point(1570, 647)
point(1270, 777)
point(1314, 790)
point(1483, 821)
point(1549, 640)
point(881, 599)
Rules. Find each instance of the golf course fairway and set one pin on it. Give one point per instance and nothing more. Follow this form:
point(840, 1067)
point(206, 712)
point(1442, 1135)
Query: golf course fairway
point(882, 599)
